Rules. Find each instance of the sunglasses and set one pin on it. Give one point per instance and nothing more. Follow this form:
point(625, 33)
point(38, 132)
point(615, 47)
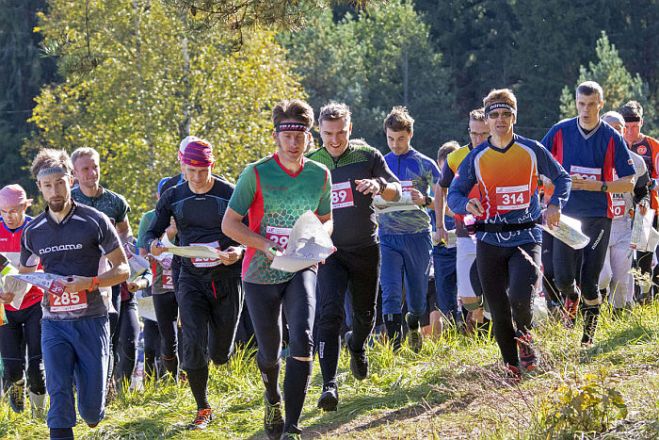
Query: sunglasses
point(504, 115)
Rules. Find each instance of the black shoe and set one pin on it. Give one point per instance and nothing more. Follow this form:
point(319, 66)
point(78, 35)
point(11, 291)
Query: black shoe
point(358, 360)
point(273, 422)
point(329, 399)
point(414, 337)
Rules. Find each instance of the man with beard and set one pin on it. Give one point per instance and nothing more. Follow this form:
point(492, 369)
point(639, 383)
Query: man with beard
point(69, 240)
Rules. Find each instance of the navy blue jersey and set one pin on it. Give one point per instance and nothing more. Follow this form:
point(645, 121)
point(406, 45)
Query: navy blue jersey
point(73, 247)
point(598, 155)
point(414, 170)
point(198, 220)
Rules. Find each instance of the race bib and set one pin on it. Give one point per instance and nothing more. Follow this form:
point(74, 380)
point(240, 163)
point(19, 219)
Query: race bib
point(206, 262)
point(67, 301)
point(406, 186)
point(618, 206)
point(586, 172)
point(167, 279)
point(512, 197)
point(342, 195)
point(278, 235)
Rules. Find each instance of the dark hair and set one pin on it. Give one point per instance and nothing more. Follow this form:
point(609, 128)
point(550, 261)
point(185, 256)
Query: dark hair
point(587, 88)
point(399, 119)
point(446, 149)
point(333, 111)
point(632, 109)
point(293, 110)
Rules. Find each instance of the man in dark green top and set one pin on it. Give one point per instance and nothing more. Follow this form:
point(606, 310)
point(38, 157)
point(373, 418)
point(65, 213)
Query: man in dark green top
point(359, 172)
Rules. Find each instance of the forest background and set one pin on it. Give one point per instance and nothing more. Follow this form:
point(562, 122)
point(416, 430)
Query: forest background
point(132, 77)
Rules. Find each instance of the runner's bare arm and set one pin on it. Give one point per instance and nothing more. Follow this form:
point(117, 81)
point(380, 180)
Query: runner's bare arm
point(124, 231)
point(233, 227)
point(117, 275)
point(622, 185)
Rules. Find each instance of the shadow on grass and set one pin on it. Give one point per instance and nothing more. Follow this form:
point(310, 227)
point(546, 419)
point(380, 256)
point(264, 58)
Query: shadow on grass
point(636, 333)
point(149, 427)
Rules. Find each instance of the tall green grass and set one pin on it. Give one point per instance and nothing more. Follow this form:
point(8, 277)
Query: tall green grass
point(453, 388)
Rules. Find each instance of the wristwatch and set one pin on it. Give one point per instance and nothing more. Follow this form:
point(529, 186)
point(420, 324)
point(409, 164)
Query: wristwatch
point(428, 201)
point(604, 187)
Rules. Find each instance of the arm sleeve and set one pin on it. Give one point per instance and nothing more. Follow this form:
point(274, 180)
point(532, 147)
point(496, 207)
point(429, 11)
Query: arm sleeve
point(622, 160)
point(122, 209)
point(108, 237)
point(447, 175)
point(550, 168)
point(145, 222)
point(459, 190)
point(28, 257)
point(641, 188)
point(325, 204)
point(161, 220)
point(381, 169)
point(436, 174)
point(548, 140)
point(244, 192)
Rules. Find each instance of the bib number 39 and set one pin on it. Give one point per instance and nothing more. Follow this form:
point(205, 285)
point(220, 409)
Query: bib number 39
point(342, 196)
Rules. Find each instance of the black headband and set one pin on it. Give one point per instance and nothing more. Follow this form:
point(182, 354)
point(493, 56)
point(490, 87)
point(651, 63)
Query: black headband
point(632, 118)
point(496, 105)
point(291, 126)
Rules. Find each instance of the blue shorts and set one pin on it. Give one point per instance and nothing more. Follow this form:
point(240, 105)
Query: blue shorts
point(76, 352)
point(405, 259)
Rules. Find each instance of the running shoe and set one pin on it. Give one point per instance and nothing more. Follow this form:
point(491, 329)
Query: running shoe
point(527, 357)
point(513, 373)
point(329, 399)
point(358, 360)
point(17, 396)
point(273, 422)
point(414, 337)
point(203, 419)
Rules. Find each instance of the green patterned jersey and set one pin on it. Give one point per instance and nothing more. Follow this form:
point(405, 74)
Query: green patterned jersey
point(273, 199)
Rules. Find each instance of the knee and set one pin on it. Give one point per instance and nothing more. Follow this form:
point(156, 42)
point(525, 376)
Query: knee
point(301, 343)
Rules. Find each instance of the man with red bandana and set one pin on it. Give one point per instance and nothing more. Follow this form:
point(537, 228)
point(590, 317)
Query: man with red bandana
point(209, 291)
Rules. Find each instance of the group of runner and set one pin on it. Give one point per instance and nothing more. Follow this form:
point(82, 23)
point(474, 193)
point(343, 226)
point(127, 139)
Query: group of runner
point(488, 201)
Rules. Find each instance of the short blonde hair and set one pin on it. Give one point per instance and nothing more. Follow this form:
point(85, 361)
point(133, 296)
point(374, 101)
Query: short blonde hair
point(85, 152)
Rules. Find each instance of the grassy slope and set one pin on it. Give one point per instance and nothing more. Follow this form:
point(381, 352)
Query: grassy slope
point(452, 389)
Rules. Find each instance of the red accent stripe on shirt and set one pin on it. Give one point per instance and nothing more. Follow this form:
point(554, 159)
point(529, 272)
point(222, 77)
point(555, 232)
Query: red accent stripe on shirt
point(255, 215)
point(607, 175)
point(557, 146)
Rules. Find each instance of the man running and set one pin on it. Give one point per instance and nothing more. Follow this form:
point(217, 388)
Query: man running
point(69, 240)
point(615, 279)
point(209, 292)
point(23, 328)
point(359, 172)
point(505, 170)
point(465, 243)
point(274, 192)
point(405, 242)
point(648, 148)
point(596, 157)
